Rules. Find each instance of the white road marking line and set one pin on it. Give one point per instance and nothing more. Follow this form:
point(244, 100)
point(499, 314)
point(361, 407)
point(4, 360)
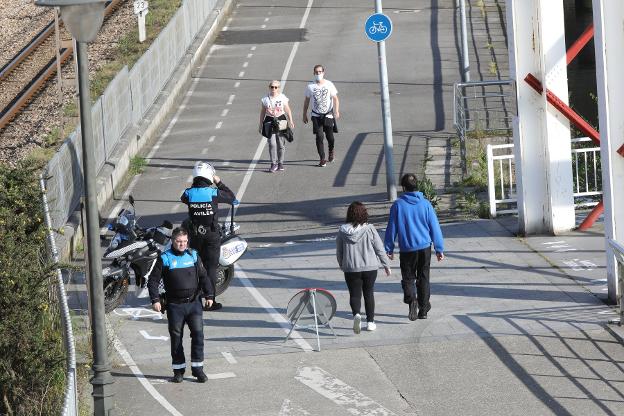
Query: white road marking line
point(225, 163)
point(229, 357)
point(253, 48)
point(146, 335)
point(236, 84)
point(224, 112)
point(275, 315)
point(136, 313)
point(254, 162)
point(249, 55)
point(164, 178)
point(339, 392)
point(190, 178)
point(241, 74)
point(263, 27)
point(266, 19)
point(218, 126)
point(139, 375)
point(211, 139)
point(176, 207)
point(230, 99)
point(245, 64)
point(218, 376)
point(204, 151)
point(554, 242)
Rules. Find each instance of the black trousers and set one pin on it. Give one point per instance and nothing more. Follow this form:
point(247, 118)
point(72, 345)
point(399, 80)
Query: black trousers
point(415, 272)
point(321, 131)
point(209, 250)
point(359, 282)
point(190, 314)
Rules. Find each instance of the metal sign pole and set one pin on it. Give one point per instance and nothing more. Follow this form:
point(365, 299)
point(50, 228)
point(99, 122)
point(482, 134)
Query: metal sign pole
point(385, 110)
point(464, 39)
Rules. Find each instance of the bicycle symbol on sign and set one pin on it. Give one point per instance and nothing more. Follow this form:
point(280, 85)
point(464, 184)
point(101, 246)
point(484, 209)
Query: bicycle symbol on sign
point(377, 27)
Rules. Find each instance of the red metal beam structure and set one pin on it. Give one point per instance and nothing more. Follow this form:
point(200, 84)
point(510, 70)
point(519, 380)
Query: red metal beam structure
point(573, 116)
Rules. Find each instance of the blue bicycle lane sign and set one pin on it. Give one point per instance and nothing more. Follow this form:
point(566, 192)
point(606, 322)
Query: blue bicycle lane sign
point(378, 27)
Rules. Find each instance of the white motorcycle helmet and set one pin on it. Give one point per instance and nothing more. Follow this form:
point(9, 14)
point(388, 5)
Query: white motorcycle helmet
point(205, 170)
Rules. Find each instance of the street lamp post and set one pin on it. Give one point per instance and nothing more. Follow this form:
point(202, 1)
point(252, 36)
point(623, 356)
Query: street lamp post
point(83, 18)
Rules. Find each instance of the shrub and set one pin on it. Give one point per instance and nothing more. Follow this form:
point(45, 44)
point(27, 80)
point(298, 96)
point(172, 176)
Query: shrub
point(31, 350)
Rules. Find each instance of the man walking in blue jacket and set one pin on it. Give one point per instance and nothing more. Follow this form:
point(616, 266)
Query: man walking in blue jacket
point(414, 221)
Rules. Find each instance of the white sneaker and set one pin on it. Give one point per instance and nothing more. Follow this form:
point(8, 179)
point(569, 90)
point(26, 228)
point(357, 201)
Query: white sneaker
point(357, 323)
point(371, 326)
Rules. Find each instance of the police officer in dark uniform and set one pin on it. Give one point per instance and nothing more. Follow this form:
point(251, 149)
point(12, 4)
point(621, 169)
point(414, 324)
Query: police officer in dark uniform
point(202, 199)
point(186, 281)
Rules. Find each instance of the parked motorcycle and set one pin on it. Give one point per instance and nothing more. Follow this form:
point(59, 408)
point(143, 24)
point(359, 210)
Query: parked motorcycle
point(132, 249)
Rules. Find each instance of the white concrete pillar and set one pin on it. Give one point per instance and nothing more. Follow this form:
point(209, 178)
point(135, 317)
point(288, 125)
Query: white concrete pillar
point(608, 40)
point(541, 134)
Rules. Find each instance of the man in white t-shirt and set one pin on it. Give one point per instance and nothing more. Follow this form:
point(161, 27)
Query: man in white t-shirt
point(325, 112)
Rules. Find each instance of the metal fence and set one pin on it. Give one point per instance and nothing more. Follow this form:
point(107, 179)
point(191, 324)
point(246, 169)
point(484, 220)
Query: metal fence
point(482, 108)
point(586, 175)
point(60, 307)
point(123, 104)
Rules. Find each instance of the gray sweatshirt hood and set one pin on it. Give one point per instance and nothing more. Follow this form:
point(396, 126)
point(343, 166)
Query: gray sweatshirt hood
point(353, 234)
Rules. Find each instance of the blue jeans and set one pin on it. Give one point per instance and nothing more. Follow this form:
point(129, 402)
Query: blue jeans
point(191, 314)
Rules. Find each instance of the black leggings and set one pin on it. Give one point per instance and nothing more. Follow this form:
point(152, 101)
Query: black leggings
point(358, 282)
point(209, 250)
point(321, 132)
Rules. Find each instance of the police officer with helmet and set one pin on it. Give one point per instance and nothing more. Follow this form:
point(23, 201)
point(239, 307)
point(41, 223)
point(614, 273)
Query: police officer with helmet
point(185, 282)
point(202, 199)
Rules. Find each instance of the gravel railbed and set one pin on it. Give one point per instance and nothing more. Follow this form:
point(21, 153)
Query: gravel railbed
point(21, 20)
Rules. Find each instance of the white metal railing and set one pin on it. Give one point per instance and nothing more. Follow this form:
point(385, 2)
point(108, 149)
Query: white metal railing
point(502, 184)
point(70, 399)
point(618, 252)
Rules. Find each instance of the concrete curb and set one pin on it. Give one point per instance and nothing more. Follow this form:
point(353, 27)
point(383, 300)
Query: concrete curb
point(138, 137)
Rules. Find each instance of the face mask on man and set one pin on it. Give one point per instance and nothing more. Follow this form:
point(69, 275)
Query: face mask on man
point(318, 77)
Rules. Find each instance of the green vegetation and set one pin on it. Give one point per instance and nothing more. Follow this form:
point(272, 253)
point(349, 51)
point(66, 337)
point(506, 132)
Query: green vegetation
point(129, 49)
point(32, 376)
point(137, 165)
point(426, 187)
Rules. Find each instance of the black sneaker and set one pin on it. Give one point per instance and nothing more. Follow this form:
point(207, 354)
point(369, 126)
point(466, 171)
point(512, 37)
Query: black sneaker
point(178, 376)
point(198, 372)
point(215, 307)
point(423, 313)
point(331, 156)
point(413, 310)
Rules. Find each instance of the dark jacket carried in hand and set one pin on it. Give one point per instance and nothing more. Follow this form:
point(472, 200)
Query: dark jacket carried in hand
point(183, 275)
point(203, 202)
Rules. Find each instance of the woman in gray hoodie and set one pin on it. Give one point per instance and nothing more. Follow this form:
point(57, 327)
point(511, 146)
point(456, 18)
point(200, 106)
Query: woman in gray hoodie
point(359, 250)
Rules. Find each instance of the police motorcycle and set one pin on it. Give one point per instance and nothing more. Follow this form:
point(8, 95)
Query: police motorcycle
point(132, 250)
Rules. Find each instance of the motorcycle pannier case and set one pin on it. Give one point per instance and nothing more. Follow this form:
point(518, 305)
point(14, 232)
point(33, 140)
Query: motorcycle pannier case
point(232, 250)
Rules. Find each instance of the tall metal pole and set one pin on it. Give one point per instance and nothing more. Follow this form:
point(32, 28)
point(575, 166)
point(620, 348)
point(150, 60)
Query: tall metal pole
point(464, 40)
point(102, 379)
point(385, 111)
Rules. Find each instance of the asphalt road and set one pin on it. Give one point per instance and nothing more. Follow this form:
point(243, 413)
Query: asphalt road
point(507, 335)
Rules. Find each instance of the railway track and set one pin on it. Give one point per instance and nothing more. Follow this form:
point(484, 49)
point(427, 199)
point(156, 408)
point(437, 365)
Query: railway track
point(31, 68)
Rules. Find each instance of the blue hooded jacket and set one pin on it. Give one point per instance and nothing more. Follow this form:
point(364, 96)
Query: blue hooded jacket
point(413, 219)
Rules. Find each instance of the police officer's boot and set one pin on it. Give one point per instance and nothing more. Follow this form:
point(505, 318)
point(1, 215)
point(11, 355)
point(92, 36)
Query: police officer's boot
point(198, 372)
point(178, 376)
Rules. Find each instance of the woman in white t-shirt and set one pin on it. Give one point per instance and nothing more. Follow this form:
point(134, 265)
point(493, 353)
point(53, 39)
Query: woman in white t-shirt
point(274, 108)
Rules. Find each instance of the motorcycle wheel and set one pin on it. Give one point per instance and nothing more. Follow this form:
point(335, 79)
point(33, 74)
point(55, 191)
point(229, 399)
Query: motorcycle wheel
point(224, 278)
point(115, 292)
